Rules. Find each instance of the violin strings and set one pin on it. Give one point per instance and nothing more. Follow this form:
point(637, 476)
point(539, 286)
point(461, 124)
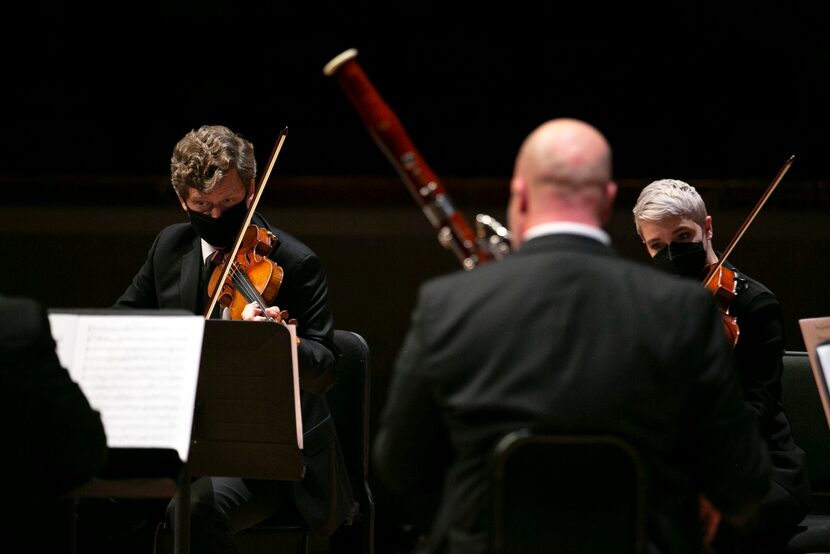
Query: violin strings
point(240, 278)
point(244, 284)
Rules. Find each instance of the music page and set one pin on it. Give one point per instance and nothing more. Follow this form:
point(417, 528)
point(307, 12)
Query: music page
point(823, 355)
point(139, 371)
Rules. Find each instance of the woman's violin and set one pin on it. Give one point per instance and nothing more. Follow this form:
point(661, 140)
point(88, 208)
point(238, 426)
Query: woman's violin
point(723, 285)
point(721, 280)
point(246, 272)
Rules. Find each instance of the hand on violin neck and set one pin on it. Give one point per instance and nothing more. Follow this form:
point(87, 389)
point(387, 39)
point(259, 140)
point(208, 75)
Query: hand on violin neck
point(253, 312)
point(287, 319)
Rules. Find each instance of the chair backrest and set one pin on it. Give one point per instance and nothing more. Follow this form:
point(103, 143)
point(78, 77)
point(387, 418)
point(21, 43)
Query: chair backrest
point(349, 402)
point(567, 493)
point(809, 424)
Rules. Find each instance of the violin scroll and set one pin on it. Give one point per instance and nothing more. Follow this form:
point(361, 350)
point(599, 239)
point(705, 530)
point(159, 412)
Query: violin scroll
point(723, 284)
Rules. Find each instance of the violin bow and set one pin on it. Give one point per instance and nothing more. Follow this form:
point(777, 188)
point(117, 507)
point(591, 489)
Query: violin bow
point(748, 221)
point(272, 160)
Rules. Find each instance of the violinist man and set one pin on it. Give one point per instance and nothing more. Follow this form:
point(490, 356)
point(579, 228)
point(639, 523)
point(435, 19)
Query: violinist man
point(560, 336)
point(671, 219)
point(213, 173)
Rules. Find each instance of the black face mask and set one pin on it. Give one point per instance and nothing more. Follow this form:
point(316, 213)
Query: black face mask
point(220, 231)
point(687, 259)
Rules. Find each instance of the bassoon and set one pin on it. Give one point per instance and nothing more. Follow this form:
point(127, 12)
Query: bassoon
point(491, 239)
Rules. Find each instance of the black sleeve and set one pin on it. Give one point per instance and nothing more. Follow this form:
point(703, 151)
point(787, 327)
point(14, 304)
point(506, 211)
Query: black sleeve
point(758, 355)
point(58, 438)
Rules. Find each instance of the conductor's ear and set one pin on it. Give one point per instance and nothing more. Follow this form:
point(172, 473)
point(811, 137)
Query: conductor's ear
point(518, 193)
point(608, 204)
point(517, 210)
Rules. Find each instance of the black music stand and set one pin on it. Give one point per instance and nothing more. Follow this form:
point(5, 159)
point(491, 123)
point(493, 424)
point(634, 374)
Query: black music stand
point(245, 422)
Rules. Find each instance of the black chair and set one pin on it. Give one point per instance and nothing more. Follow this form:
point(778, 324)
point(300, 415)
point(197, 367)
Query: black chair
point(811, 432)
point(138, 474)
point(349, 401)
point(567, 493)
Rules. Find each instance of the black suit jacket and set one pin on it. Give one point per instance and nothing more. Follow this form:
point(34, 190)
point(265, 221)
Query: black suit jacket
point(563, 335)
point(54, 440)
point(170, 279)
point(759, 363)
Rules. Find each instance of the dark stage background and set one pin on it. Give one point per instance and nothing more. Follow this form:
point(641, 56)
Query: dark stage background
point(96, 97)
point(693, 89)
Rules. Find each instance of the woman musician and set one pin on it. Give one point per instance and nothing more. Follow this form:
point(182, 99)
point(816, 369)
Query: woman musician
point(671, 219)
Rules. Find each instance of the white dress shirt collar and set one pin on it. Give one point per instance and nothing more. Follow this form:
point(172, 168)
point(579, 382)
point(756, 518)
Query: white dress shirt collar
point(567, 227)
point(207, 251)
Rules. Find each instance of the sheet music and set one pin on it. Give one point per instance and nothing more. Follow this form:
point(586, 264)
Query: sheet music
point(139, 371)
point(814, 330)
point(823, 354)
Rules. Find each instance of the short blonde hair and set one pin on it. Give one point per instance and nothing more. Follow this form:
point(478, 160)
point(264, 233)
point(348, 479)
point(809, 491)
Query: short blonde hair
point(667, 198)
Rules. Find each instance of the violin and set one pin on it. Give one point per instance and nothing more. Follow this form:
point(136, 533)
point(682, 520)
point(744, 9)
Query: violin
point(720, 280)
point(723, 286)
point(245, 271)
point(253, 276)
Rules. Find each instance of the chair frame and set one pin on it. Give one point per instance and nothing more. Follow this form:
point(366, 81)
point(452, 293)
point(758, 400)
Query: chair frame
point(355, 451)
point(808, 421)
point(517, 440)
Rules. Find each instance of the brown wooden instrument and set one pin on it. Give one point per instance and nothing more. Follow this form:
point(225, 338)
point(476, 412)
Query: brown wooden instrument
point(720, 280)
point(454, 233)
point(724, 286)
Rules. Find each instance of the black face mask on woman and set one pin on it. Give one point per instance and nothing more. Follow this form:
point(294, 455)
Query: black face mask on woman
point(219, 231)
point(687, 259)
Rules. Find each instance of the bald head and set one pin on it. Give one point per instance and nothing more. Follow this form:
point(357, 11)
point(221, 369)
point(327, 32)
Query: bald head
point(562, 173)
point(565, 153)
